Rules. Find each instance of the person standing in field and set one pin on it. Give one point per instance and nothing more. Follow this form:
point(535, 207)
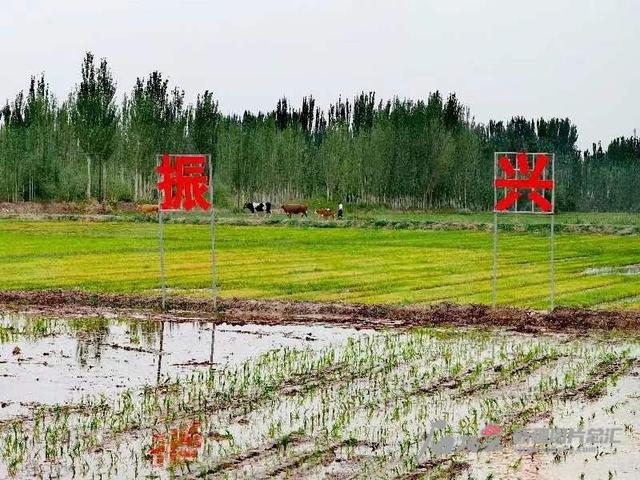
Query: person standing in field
point(340, 211)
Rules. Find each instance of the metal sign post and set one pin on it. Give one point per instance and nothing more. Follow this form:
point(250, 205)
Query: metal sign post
point(552, 287)
point(495, 259)
point(214, 283)
point(181, 187)
point(524, 172)
point(163, 287)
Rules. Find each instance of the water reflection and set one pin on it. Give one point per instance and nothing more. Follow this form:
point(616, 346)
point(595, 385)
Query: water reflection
point(94, 334)
point(213, 342)
point(90, 335)
point(184, 444)
point(161, 351)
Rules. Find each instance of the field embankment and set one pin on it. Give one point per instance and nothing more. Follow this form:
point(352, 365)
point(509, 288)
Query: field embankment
point(376, 218)
point(72, 304)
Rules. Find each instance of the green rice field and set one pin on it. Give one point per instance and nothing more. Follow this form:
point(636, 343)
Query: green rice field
point(368, 265)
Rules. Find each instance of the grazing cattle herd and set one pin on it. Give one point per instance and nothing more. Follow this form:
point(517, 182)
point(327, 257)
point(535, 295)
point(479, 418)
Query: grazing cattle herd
point(265, 207)
point(293, 209)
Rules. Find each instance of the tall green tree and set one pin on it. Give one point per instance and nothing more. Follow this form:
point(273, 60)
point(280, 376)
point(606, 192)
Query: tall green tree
point(155, 121)
point(95, 118)
point(40, 122)
point(204, 126)
point(421, 153)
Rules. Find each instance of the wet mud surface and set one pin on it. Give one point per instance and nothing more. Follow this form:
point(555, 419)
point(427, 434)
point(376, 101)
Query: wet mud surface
point(264, 312)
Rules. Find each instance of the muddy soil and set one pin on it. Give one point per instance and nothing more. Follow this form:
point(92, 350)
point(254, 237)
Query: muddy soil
point(66, 208)
point(265, 312)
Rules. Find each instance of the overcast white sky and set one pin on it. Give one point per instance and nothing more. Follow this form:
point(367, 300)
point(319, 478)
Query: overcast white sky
point(575, 58)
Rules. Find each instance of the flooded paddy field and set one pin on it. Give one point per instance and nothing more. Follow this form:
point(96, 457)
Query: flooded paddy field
point(126, 395)
point(56, 360)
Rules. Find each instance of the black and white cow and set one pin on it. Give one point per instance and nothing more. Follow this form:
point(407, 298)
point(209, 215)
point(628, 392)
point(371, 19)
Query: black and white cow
point(261, 207)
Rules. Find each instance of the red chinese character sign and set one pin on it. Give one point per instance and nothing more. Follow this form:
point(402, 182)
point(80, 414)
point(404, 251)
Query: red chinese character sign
point(524, 183)
point(183, 182)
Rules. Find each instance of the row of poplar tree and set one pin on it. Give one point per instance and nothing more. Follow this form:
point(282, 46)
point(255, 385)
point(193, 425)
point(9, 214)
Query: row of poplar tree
point(398, 153)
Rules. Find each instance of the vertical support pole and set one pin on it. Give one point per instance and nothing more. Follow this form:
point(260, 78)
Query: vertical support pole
point(552, 289)
point(163, 286)
point(214, 283)
point(495, 259)
point(495, 231)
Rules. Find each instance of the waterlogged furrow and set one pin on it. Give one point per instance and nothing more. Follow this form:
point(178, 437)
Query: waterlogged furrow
point(362, 409)
point(312, 417)
point(486, 409)
point(331, 416)
point(286, 371)
point(127, 401)
point(524, 408)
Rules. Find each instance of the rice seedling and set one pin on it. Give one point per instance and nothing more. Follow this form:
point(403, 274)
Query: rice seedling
point(365, 406)
point(281, 262)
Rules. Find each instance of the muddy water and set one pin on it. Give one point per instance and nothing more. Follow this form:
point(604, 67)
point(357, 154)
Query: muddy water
point(54, 361)
point(604, 442)
point(610, 447)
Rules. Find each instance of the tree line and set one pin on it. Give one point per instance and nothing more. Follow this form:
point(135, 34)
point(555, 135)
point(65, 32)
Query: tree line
point(427, 153)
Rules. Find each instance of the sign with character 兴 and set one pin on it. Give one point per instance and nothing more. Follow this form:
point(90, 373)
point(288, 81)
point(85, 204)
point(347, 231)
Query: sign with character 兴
point(524, 183)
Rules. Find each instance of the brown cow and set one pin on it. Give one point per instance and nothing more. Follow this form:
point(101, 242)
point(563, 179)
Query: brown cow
point(294, 208)
point(325, 213)
point(147, 208)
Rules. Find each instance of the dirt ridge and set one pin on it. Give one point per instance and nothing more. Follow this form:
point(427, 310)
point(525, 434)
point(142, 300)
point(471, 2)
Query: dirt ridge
point(273, 312)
